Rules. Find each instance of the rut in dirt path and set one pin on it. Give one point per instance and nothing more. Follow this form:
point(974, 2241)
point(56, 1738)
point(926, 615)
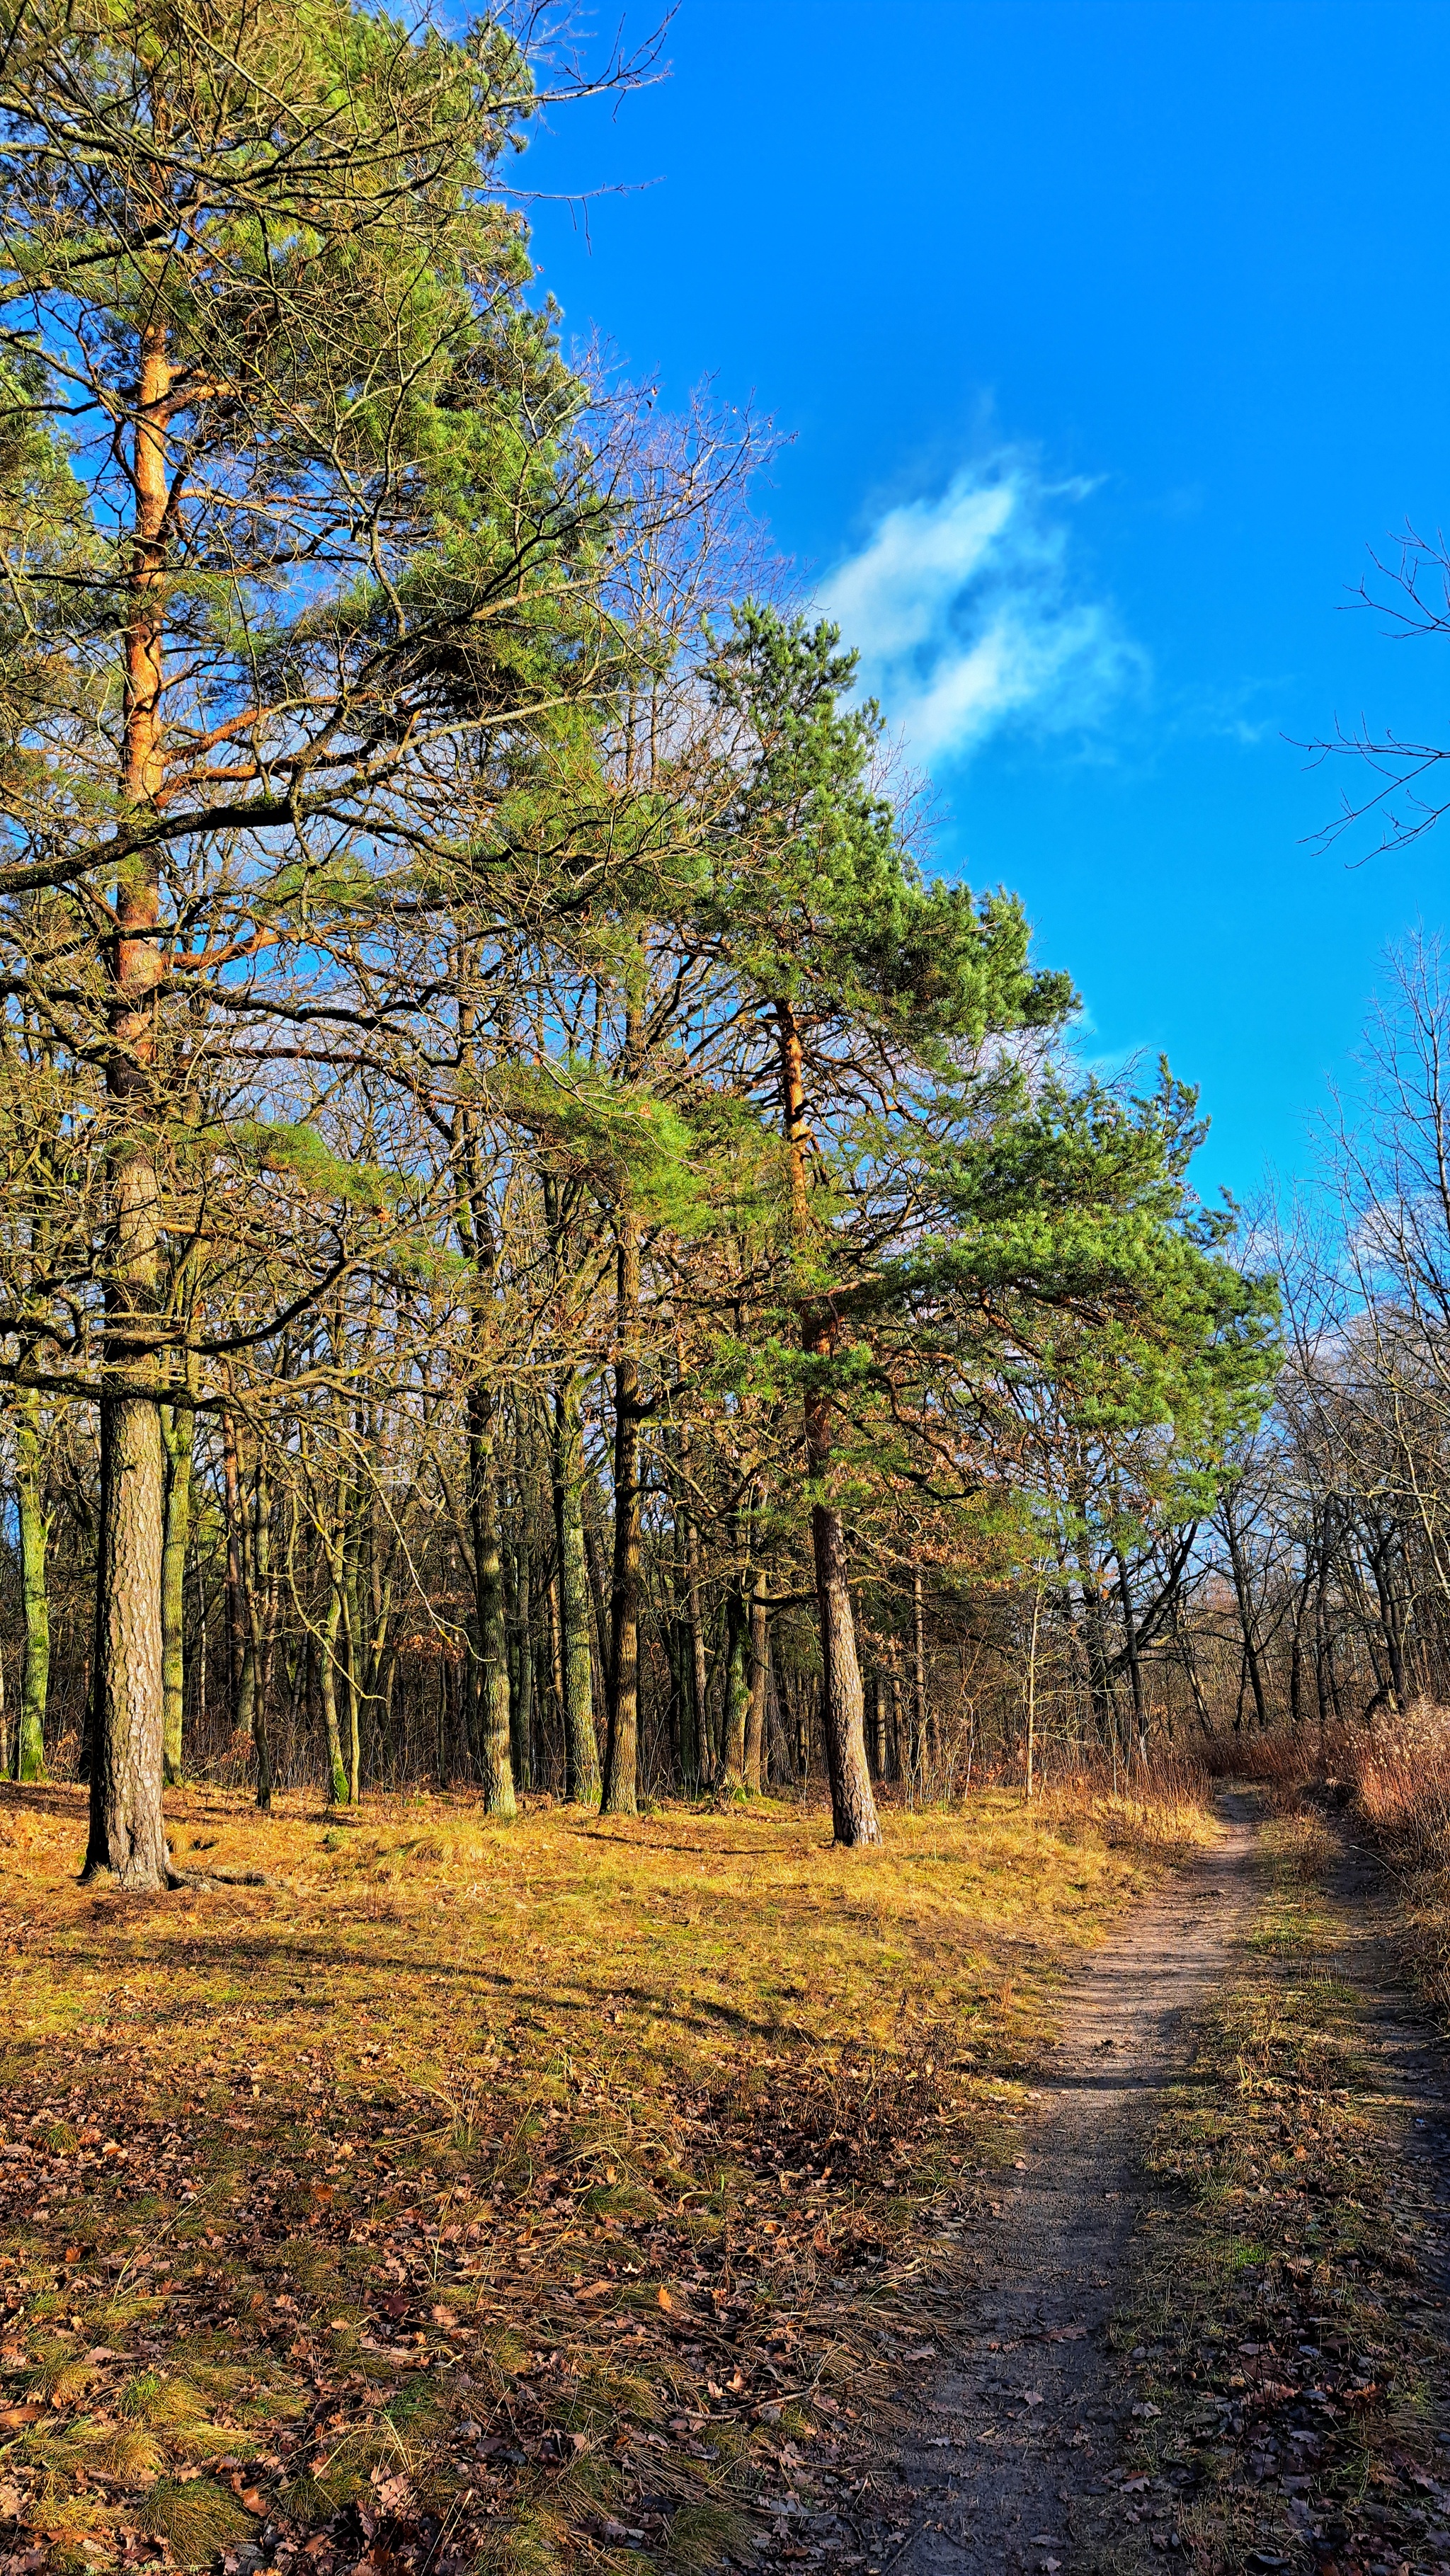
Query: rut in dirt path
point(1019, 2426)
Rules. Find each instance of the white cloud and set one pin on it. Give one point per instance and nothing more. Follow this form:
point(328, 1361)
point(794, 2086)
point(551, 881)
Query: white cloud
point(965, 619)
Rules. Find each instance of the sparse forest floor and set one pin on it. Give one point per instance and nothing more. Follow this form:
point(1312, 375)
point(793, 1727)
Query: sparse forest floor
point(466, 2197)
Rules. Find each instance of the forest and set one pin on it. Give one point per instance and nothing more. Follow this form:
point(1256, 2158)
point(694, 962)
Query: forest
point(542, 1247)
point(724, 1804)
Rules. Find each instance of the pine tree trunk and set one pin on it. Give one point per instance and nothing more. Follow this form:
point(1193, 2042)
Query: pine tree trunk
point(581, 1745)
point(621, 1757)
point(178, 1424)
point(737, 1684)
point(352, 1684)
point(331, 1625)
point(127, 1836)
point(242, 1661)
point(918, 1669)
point(521, 1700)
point(878, 1749)
point(759, 1684)
point(494, 1764)
point(699, 1772)
point(34, 1532)
point(258, 1604)
point(843, 1707)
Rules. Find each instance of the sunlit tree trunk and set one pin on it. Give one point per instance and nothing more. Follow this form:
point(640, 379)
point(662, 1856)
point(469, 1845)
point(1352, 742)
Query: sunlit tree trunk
point(127, 1836)
point(581, 1748)
point(34, 1536)
point(495, 1765)
point(178, 1430)
point(843, 1706)
point(918, 1669)
point(759, 1682)
point(521, 1620)
point(737, 1683)
point(621, 1755)
point(700, 1769)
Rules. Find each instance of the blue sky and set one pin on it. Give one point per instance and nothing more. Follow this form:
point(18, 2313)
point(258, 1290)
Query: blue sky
point(1107, 337)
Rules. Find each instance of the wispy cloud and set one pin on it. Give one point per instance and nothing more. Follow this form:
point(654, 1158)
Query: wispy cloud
point(968, 620)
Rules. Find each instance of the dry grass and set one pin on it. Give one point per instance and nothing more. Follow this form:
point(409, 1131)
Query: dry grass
point(483, 2196)
point(1401, 1779)
point(1283, 2358)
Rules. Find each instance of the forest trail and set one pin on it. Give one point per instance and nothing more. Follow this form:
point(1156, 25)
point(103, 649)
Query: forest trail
point(1025, 2418)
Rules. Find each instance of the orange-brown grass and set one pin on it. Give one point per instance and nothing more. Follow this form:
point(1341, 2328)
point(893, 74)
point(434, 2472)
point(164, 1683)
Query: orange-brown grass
point(1401, 1776)
point(479, 2196)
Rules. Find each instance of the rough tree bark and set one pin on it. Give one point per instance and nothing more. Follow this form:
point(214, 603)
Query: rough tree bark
point(494, 1761)
point(843, 1707)
point(621, 1756)
point(759, 1682)
point(127, 1834)
point(581, 1746)
point(737, 1683)
point(34, 1534)
point(694, 1617)
point(178, 1429)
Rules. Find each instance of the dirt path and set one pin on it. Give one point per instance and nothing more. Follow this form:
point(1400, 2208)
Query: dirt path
point(1015, 2433)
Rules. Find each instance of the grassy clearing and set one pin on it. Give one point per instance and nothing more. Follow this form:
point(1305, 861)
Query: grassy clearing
point(1281, 2353)
point(486, 2198)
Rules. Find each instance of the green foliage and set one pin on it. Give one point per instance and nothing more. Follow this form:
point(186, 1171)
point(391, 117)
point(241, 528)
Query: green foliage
point(813, 892)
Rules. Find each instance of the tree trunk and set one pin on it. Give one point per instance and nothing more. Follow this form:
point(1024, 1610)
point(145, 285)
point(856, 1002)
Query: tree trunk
point(242, 1660)
point(178, 1428)
point(1323, 1673)
point(34, 1532)
point(698, 1671)
point(1244, 1598)
point(494, 1763)
point(759, 1683)
point(127, 1835)
point(257, 1595)
point(737, 1683)
point(352, 1683)
point(581, 1745)
point(878, 1748)
point(522, 1712)
point(918, 1669)
point(621, 1757)
point(843, 1709)
point(901, 1749)
point(1381, 1558)
point(1135, 1662)
point(331, 1626)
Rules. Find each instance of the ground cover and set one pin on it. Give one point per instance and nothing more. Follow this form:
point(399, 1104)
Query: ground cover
point(1284, 2329)
point(452, 2197)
